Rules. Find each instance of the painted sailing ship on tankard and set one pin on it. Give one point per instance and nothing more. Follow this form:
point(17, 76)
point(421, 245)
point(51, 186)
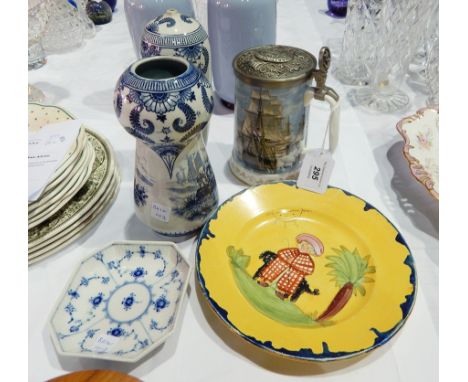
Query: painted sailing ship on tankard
point(266, 136)
point(273, 93)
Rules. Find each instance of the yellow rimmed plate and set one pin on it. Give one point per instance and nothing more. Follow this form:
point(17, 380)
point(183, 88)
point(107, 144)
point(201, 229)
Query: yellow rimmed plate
point(305, 275)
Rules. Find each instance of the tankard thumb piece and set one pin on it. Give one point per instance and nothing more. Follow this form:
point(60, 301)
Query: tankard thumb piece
point(273, 93)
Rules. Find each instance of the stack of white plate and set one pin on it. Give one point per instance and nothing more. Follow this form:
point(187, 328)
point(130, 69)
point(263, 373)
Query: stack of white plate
point(80, 191)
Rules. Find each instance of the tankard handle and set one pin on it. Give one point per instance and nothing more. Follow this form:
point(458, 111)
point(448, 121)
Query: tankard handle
point(322, 92)
point(333, 122)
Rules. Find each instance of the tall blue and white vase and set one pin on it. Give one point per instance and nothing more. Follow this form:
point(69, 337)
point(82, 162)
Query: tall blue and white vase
point(176, 34)
point(139, 12)
point(236, 25)
point(166, 103)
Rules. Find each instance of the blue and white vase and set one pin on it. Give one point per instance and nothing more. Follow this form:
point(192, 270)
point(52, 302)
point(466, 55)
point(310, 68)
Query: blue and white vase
point(235, 25)
point(175, 34)
point(166, 103)
point(139, 12)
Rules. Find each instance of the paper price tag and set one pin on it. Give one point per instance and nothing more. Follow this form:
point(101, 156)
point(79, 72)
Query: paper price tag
point(160, 212)
point(47, 149)
point(316, 171)
point(104, 343)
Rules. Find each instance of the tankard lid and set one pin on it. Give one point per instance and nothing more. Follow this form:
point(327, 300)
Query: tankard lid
point(274, 66)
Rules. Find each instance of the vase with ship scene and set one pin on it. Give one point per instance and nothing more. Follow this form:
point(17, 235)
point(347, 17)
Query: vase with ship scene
point(166, 103)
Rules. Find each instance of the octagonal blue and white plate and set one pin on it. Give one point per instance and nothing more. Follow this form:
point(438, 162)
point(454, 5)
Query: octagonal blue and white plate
point(121, 302)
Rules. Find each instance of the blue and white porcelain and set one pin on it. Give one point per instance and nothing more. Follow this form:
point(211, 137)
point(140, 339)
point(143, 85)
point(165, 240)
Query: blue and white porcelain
point(175, 34)
point(122, 302)
point(235, 25)
point(139, 12)
point(166, 103)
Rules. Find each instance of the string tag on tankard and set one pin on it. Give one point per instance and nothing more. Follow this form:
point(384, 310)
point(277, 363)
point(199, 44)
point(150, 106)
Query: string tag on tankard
point(316, 168)
point(316, 171)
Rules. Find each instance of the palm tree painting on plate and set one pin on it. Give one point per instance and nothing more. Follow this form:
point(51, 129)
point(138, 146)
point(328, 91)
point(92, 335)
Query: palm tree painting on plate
point(277, 285)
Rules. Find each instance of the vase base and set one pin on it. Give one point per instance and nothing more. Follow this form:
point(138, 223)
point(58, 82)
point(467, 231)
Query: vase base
point(385, 100)
point(178, 235)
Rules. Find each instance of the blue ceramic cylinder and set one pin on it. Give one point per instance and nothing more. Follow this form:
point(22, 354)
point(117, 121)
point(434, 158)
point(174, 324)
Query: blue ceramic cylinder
point(235, 25)
point(141, 12)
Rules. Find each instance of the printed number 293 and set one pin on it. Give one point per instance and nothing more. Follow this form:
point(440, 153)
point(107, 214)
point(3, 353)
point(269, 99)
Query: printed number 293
point(316, 173)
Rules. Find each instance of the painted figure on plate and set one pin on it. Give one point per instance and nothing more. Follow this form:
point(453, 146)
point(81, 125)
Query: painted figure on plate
point(290, 266)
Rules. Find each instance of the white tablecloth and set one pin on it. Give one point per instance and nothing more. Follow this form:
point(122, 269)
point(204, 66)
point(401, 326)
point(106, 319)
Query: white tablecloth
point(369, 163)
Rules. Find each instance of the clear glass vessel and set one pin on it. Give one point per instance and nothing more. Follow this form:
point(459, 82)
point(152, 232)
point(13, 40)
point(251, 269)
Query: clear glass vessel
point(89, 29)
point(35, 94)
point(37, 18)
point(358, 45)
point(400, 29)
point(418, 65)
point(64, 29)
point(431, 64)
point(432, 73)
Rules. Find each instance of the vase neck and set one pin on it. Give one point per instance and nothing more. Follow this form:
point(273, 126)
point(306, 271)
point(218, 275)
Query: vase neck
point(161, 74)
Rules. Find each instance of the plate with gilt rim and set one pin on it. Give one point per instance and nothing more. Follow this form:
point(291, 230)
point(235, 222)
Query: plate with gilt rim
point(40, 116)
point(110, 192)
point(54, 189)
point(70, 164)
point(305, 275)
point(96, 185)
point(77, 230)
point(77, 179)
point(421, 147)
point(74, 214)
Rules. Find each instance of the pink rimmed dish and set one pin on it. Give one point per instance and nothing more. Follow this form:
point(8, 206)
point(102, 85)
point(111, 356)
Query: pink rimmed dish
point(421, 146)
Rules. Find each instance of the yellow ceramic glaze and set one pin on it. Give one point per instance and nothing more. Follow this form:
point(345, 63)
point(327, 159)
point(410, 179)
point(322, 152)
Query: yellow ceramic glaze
point(269, 217)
